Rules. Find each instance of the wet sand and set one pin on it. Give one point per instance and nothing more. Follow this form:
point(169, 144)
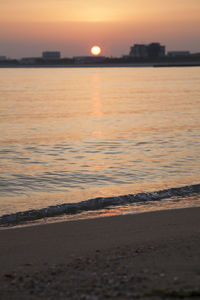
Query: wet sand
point(152, 255)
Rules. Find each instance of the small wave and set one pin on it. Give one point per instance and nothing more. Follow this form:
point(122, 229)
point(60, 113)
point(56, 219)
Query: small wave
point(96, 204)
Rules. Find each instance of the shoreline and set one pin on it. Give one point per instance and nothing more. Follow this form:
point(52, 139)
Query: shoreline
point(118, 65)
point(137, 252)
point(97, 204)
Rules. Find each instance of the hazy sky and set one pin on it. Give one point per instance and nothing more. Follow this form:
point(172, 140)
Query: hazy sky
point(27, 27)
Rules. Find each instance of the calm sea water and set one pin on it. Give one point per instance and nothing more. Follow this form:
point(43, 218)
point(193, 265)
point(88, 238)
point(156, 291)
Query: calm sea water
point(72, 134)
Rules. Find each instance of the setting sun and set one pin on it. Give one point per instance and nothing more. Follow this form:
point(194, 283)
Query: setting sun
point(95, 50)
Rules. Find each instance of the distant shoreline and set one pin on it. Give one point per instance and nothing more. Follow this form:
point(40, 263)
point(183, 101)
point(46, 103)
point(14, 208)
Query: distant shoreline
point(118, 65)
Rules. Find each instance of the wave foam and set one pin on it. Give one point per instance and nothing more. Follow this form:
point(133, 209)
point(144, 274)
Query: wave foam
point(96, 204)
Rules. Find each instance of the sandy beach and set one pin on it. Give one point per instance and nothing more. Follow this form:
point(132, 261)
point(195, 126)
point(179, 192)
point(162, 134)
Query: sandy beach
point(147, 256)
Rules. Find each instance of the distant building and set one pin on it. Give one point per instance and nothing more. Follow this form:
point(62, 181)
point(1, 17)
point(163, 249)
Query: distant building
point(139, 50)
point(88, 59)
point(29, 60)
point(152, 50)
point(51, 55)
point(156, 50)
point(178, 53)
point(2, 58)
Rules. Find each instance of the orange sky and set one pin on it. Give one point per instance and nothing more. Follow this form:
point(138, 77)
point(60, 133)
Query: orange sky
point(28, 27)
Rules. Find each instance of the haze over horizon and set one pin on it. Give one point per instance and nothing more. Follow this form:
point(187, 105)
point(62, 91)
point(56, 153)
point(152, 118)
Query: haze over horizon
point(29, 27)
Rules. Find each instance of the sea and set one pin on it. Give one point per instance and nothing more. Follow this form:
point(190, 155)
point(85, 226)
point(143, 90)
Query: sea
point(78, 143)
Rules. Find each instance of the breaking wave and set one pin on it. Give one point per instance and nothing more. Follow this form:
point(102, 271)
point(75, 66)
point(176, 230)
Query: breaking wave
point(96, 204)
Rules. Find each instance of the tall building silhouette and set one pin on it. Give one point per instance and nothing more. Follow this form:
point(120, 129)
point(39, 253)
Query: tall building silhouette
point(152, 50)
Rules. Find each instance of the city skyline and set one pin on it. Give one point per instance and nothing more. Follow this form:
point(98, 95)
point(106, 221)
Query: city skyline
point(74, 27)
point(135, 51)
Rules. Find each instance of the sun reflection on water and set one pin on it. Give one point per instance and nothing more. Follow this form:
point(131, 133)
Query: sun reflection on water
point(75, 134)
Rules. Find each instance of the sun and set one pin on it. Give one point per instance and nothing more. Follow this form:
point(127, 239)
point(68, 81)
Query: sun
point(95, 50)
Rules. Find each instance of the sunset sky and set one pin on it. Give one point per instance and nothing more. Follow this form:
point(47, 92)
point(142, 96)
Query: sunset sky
point(28, 27)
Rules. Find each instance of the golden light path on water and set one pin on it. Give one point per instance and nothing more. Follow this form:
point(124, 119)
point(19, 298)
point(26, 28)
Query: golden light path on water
point(69, 135)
